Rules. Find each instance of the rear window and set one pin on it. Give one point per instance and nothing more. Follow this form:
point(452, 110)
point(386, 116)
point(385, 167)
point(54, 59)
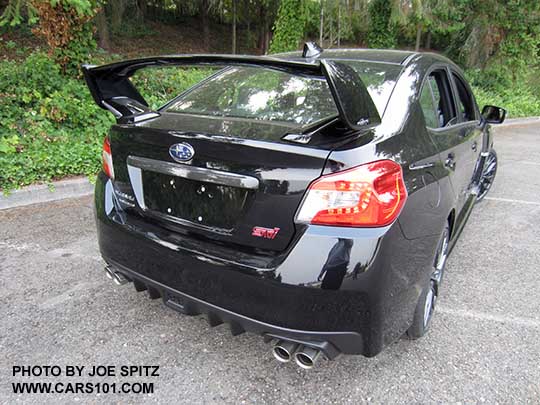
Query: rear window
point(258, 93)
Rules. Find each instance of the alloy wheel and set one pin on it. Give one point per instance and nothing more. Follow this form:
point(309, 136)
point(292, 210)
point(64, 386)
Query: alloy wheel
point(488, 175)
point(436, 276)
point(429, 305)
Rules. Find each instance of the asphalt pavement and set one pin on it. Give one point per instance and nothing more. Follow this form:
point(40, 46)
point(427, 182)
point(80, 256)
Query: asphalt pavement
point(58, 308)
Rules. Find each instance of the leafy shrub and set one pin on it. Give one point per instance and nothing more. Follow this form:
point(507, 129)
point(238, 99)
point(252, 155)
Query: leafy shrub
point(160, 85)
point(66, 27)
point(51, 127)
point(382, 32)
point(133, 28)
point(494, 87)
point(289, 26)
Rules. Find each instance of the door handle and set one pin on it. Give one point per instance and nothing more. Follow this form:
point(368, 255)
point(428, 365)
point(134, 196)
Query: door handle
point(450, 162)
point(474, 146)
point(414, 166)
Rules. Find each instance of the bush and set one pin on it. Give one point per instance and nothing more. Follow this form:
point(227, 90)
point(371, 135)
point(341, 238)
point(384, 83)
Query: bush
point(160, 85)
point(518, 97)
point(66, 27)
point(289, 26)
point(382, 32)
point(51, 127)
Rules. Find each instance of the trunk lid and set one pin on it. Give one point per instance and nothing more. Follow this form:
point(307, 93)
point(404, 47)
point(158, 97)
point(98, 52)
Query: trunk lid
point(217, 166)
point(242, 186)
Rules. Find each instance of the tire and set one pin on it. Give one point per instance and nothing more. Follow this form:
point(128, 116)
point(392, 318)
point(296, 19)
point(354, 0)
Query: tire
point(488, 175)
point(421, 323)
point(426, 304)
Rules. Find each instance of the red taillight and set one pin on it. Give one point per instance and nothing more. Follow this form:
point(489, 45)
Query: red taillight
point(369, 195)
point(107, 158)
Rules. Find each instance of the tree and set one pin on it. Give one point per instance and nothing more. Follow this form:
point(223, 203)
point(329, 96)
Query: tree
point(203, 11)
point(382, 32)
point(66, 28)
point(117, 8)
point(289, 26)
point(103, 30)
point(17, 12)
point(234, 18)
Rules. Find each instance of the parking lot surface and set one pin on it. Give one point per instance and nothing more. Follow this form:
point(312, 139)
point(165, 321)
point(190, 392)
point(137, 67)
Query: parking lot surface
point(58, 308)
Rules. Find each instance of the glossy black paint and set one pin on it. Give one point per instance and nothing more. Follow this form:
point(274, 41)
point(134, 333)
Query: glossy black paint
point(351, 289)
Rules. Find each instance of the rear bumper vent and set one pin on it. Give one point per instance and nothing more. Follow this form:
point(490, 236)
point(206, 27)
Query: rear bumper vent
point(330, 343)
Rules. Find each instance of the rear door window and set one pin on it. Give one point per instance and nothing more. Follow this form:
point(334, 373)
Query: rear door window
point(260, 94)
point(431, 115)
point(441, 112)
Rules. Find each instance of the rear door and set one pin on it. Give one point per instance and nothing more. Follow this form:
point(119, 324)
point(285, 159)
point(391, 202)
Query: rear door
point(439, 108)
point(469, 123)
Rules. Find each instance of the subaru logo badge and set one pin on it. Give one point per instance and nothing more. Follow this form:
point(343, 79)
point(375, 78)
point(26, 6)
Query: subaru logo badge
point(181, 152)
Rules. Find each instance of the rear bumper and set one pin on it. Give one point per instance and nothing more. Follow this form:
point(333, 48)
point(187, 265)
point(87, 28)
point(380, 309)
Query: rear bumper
point(364, 305)
point(330, 343)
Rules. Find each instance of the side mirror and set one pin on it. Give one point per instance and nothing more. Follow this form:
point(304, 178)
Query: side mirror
point(493, 114)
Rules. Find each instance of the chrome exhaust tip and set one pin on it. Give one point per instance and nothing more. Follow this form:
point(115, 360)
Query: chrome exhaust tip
point(115, 276)
point(283, 350)
point(306, 357)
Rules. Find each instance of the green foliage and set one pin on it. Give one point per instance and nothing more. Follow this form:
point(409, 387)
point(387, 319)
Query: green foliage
point(76, 52)
point(382, 32)
point(521, 43)
point(82, 7)
point(17, 12)
point(493, 87)
point(51, 127)
point(66, 27)
point(158, 86)
point(289, 26)
point(519, 102)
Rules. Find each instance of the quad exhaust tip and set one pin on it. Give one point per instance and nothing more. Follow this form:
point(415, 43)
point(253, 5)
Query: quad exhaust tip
point(117, 277)
point(284, 350)
point(304, 356)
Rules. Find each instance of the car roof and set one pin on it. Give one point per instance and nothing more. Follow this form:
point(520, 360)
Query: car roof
point(396, 57)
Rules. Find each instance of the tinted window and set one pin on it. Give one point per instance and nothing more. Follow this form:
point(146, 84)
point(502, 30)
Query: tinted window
point(438, 86)
point(379, 78)
point(259, 93)
point(465, 100)
point(426, 102)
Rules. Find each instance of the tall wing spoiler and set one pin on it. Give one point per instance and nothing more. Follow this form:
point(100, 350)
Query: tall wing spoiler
point(112, 90)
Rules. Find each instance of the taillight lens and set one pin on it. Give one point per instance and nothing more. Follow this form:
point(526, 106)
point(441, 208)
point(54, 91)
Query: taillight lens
point(107, 158)
point(369, 195)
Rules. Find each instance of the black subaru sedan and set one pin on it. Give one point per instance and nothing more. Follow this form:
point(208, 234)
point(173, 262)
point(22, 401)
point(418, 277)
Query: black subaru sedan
point(310, 197)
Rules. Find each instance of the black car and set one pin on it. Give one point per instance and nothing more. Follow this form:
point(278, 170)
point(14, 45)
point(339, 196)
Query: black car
point(310, 197)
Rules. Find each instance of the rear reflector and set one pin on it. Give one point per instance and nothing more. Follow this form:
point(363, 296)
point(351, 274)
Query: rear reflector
point(369, 195)
point(107, 158)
